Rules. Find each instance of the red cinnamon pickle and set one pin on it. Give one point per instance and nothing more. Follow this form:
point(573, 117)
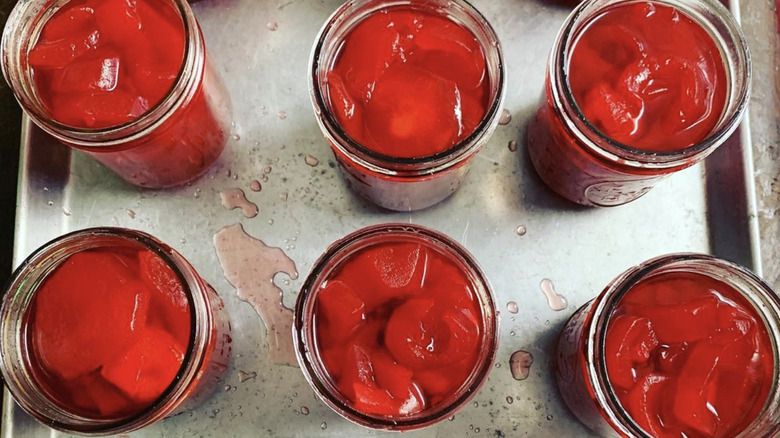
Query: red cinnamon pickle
point(681, 346)
point(404, 91)
point(96, 76)
point(117, 331)
point(395, 328)
point(636, 90)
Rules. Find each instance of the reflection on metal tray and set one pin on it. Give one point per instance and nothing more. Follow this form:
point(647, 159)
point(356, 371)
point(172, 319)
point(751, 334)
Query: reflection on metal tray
point(262, 49)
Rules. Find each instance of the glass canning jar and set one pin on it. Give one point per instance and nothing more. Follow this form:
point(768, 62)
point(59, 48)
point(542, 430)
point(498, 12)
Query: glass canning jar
point(582, 164)
point(420, 292)
point(173, 142)
point(395, 183)
point(34, 386)
point(581, 358)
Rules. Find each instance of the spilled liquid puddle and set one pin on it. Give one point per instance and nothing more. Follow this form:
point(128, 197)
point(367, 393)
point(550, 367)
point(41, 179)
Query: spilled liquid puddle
point(250, 266)
point(236, 198)
point(520, 364)
point(554, 300)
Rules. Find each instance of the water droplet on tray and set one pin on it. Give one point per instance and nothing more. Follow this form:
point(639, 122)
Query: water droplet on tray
point(236, 137)
point(236, 198)
point(505, 118)
point(250, 266)
point(512, 145)
point(554, 300)
point(521, 230)
point(509, 399)
point(267, 170)
point(324, 425)
point(131, 213)
point(243, 376)
point(512, 307)
point(282, 114)
point(304, 410)
point(272, 26)
point(255, 186)
point(66, 211)
point(520, 364)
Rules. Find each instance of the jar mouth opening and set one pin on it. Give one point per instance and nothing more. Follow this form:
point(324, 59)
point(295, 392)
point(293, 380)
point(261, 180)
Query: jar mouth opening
point(327, 48)
point(734, 53)
point(16, 48)
point(51, 256)
point(765, 305)
point(308, 351)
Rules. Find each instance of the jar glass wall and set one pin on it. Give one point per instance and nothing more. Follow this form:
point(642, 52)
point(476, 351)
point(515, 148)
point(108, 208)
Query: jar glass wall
point(425, 175)
point(164, 143)
point(593, 384)
point(395, 327)
point(162, 347)
point(572, 153)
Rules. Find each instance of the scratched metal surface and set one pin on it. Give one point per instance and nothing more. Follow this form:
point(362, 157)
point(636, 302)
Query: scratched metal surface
point(303, 208)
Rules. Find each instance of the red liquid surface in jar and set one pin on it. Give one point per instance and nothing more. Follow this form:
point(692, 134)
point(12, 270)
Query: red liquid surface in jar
point(398, 329)
point(688, 356)
point(648, 76)
point(109, 329)
point(104, 63)
point(409, 83)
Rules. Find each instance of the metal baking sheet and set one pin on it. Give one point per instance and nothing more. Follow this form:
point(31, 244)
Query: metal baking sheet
point(262, 49)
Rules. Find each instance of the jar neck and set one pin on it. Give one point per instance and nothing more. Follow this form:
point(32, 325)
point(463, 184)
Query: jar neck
point(20, 35)
point(326, 51)
point(764, 302)
point(16, 357)
point(725, 32)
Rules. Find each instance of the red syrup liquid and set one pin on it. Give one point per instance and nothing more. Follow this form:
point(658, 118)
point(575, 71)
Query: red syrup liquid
point(108, 331)
point(398, 329)
point(688, 356)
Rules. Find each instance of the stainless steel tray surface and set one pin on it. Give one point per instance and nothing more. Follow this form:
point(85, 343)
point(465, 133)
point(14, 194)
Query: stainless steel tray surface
point(262, 50)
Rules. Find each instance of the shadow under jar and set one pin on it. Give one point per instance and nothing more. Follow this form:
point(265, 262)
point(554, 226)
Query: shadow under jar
point(681, 345)
point(406, 93)
point(108, 330)
point(635, 91)
point(129, 83)
point(395, 327)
